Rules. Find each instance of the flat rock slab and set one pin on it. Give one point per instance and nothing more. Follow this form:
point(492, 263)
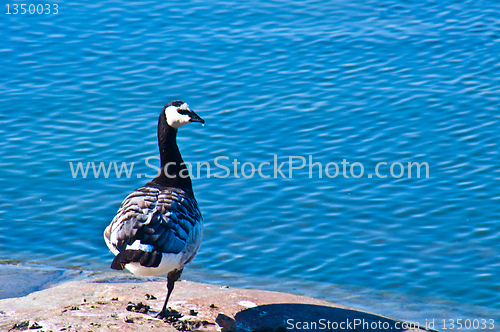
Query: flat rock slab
point(115, 303)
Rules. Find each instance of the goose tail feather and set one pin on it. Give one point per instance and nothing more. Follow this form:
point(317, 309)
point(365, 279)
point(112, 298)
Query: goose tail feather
point(145, 258)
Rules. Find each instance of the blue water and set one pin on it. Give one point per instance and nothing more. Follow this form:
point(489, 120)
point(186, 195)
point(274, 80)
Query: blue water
point(367, 81)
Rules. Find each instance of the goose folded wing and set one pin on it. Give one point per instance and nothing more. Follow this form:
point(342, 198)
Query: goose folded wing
point(148, 216)
point(158, 230)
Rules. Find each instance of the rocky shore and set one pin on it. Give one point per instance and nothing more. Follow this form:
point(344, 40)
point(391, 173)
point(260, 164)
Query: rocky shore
point(117, 303)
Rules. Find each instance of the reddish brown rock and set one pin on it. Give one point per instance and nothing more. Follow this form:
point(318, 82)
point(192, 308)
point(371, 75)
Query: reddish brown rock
point(100, 304)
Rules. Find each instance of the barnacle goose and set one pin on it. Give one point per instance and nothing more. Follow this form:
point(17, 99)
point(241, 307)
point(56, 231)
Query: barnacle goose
point(158, 228)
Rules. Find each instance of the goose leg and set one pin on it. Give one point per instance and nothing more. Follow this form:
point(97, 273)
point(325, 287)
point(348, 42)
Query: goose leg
point(172, 277)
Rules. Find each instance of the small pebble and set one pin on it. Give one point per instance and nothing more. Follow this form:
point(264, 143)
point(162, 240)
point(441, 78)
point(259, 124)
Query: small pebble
point(226, 323)
point(140, 307)
point(21, 326)
point(35, 326)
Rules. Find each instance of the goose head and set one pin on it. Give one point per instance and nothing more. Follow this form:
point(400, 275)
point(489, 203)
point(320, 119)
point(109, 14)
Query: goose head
point(178, 114)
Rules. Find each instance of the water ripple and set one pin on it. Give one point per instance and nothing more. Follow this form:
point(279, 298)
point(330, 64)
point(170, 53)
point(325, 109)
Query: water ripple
point(379, 81)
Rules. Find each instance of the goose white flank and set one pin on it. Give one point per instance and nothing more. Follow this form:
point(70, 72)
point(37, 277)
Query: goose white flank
point(159, 227)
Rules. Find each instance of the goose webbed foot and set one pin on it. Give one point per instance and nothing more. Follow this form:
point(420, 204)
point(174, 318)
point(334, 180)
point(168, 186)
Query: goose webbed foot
point(170, 313)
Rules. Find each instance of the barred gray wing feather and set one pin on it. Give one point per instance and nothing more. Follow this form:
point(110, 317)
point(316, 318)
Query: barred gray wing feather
point(162, 218)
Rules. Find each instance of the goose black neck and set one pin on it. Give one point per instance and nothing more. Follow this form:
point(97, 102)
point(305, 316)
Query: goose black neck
point(175, 174)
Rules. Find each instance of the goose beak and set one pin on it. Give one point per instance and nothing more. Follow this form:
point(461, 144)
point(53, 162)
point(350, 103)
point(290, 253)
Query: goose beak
point(195, 117)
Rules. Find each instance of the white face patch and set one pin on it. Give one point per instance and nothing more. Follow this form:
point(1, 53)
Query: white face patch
point(174, 118)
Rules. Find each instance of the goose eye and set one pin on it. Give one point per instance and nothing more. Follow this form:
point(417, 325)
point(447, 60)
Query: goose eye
point(182, 111)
